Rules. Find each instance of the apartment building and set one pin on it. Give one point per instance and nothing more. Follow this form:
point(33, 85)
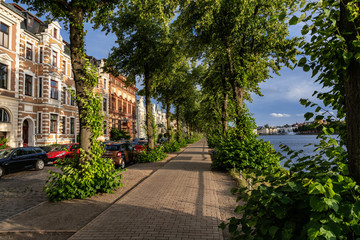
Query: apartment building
point(122, 105)
point(36, 84)
point(36, 106)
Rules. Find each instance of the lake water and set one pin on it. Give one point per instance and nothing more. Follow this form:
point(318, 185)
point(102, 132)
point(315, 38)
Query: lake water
point(295, 142)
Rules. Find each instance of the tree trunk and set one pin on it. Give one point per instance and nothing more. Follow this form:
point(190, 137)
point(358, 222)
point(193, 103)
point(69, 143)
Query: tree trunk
point(238, 91)
point(78, 62)
point(178, 124)
point(149, 116)
point(224, 116)
point(168, 122)
point(352, 96)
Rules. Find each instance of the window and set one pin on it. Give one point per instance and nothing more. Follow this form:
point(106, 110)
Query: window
point(64, 67)
point(64, 125)
point(28, 85)
point(105, 83)
point(54, 59)
point(28, 53)
point(63, 96)
point(119, 104)
point(113, 103)
point(72, 101)
point(104, 104)
point(40, 87)
point(4, 116)
point(39, 123)
point(41, 54)
point(53, 123)
point(72, 125)
point(55, 33)
point(3, 76)
point(4, 35)
point(54, 90)
point(124, 107)
point(30, 21)
point(119, 124)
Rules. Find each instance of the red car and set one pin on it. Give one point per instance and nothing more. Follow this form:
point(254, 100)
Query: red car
point(141, 146)
point(63, 151)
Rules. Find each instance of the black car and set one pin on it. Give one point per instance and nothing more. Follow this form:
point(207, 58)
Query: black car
point(16, 159)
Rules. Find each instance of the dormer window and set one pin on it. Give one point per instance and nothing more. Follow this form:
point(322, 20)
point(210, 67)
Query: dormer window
point(30, 21)
point(55, 33)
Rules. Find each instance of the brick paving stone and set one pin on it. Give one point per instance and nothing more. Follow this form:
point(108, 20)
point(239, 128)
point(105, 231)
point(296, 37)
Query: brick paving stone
point(178, 201)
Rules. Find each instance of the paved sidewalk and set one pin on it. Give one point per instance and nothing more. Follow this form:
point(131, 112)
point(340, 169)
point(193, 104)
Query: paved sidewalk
point(179, 201)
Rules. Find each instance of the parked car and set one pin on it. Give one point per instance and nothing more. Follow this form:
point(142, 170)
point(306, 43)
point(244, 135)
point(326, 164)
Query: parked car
point(163, 140)
point(48, 148)
point(63, 151)
point(141, 146)
point(121, 153)
point(16, 159)
point(136, 140)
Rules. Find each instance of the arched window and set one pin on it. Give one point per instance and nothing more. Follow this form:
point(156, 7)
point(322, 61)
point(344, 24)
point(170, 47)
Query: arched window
point(4, 116)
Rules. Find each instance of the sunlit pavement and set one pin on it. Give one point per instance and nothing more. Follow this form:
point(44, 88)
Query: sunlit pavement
point(179, 201)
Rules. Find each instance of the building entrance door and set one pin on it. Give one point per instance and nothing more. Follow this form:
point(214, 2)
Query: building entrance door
point(25, 133)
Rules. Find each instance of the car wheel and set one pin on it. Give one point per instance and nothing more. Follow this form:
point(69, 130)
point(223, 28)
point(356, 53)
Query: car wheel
point(123, 164)
point(2, 171)
point(39, 165)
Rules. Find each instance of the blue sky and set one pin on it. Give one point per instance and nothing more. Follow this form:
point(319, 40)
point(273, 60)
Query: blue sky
point(280, 103)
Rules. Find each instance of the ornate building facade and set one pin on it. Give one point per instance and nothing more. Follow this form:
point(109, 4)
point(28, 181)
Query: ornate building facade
point(159, 118)
point(122, 111)
point(35, 100)
point(36, 82)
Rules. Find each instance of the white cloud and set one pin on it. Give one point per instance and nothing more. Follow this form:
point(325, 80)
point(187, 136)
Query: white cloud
point(280, 115)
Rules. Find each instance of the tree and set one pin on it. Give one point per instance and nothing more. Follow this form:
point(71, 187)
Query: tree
point(249, 34)
point(334, 52)
point(143, 44)
point(87, 174)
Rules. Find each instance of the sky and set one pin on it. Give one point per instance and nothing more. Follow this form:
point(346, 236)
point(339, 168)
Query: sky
point(280, 103)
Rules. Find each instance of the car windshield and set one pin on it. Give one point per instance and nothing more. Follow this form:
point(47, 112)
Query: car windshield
point(61, 148)
point(47, 148)
point(5, 153)
point(142, 143)
point(112, 147)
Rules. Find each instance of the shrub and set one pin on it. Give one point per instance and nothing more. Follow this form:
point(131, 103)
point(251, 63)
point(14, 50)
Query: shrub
point(315, 199)
point(246, 152)
point(170, 147)
point(3, 144)
point(117, 134)
point(151, 155)
point(98, 175)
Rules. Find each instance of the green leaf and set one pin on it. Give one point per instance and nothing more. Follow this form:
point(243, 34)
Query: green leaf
point(318, 204)
point(302, 61)
point(306, 68)
point(313, 233)
point(327, 233)
point(332, 203)
point(273, 230)
point(316, 188)
point(282, 16)
point(308, 115)
point(302, 17)
point(293, 20)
